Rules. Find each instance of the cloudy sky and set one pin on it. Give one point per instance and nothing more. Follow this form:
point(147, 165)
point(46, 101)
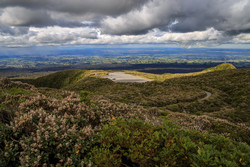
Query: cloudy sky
point(75, 22)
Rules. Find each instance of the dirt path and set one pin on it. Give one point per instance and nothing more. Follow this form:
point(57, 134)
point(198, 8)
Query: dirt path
point(207, 96)
point(122, 77)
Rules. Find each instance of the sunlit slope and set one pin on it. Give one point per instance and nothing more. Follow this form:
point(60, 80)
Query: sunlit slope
point(162, 77)
point(229, 93)
point(70, 78)
point(229, 89)
point(225, 112)
point(224, 66)
point(64, 78)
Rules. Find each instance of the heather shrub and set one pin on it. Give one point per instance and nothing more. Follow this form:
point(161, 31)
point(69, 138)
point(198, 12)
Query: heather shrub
point(11, 95)
point(9, 149)
point(47, 139)
point(8, 84)
point(136, 143)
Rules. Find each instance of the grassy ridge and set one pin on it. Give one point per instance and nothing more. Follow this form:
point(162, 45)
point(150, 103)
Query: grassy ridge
point(162, 77)
point(65, 78)
point(224, 66)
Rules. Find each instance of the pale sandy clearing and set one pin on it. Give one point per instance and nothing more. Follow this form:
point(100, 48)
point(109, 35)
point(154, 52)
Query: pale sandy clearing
point(122, 77)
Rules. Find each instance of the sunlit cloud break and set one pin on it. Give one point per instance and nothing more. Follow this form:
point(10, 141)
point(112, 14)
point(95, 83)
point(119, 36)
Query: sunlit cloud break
point(184, 22)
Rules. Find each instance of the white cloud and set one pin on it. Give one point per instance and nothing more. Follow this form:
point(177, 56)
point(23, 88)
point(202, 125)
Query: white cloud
point(73, 36)
point(60, 35)
point(152, 15)
point(192, 15)
point(242, 38)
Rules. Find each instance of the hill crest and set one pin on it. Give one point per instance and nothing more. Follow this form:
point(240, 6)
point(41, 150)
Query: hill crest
point(224, 66)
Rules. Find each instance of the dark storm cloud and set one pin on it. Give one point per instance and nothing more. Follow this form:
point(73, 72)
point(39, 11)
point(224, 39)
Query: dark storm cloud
point(107, 7)
point(191, 15)
point(39, 12)
point(230, 16)
point(19, 16)
point(133, 16)
point(13, 30)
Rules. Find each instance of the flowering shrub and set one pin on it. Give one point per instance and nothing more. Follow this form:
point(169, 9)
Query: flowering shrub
point(205, 123)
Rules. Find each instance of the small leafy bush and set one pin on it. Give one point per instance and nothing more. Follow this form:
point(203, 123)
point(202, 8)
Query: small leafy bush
point(17, 91)
point(84, 96)
point(2, 95)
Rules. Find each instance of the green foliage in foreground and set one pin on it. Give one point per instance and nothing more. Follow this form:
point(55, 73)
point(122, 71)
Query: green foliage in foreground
point(128, 143)
point(84, 96)
point(138, 143)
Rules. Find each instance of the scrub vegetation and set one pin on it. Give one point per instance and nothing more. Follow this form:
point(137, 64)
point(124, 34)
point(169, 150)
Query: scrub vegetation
point(77, 118)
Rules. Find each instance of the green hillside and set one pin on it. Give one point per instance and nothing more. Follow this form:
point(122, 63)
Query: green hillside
point(77, 118)
point(225, 66)
point(163, 77)
point(228, 104)
point(64, 78)
point(226, 111)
